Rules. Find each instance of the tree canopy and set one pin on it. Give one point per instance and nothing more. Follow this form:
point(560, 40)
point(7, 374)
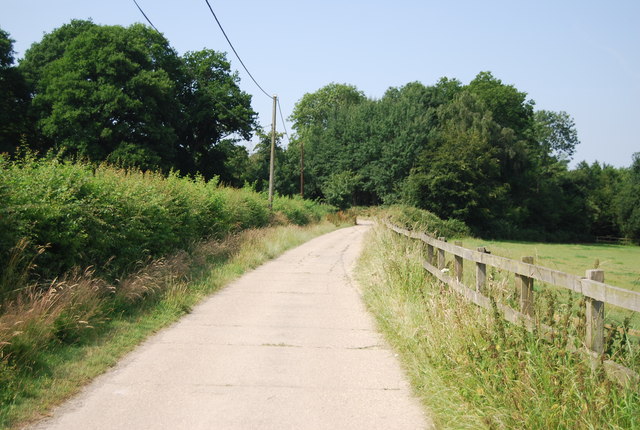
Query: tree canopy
point(214, 110)
point(478, 152)
point(123, 94)
point(628, 201)
point(13, 97)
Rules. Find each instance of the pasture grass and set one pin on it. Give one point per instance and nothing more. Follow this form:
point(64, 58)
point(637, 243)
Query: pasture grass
point(621, 265)
point(473, 370)
point(51, 369)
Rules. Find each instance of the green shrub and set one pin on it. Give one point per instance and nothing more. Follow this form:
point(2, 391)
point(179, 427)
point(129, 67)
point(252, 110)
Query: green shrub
point(421, 220)
point(299, 211)
point(113, 218)
point(244, 208)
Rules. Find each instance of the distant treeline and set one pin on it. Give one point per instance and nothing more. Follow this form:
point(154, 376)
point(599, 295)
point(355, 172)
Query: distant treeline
point(479, 153)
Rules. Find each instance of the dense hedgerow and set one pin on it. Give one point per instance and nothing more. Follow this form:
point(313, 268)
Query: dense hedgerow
point(299, 211)
point(111, 218)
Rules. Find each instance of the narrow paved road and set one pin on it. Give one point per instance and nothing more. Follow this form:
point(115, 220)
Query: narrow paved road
point(288, 346)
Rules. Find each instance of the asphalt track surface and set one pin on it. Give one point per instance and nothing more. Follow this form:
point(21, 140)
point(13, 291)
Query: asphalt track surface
point(289, 345)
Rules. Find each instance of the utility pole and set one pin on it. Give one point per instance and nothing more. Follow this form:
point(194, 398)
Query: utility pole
point(273, 151)
point(302, 169)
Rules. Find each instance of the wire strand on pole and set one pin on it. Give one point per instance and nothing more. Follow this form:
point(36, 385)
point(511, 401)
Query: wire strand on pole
point(272, 152)
point(145, 16)
point(233, 114)
point(283, 124)
point(234, 50)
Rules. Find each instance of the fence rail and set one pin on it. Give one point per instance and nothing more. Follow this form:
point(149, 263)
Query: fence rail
point(592, 286)
point(615, 240)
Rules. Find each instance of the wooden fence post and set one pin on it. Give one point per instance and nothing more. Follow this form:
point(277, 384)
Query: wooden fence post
point(441, 262)
point(430, 258)
point(595, 317)
point(459, 269)
point(481, 273)
point(524, 285)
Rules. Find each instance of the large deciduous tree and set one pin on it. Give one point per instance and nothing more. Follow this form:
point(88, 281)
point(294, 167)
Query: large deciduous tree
point(629, 201)
point(124, 95)
point(319, 119)
point(458, 176)
point(13, 97)
point(556, 134)
point(316, 110)
point(214, 109)
point(109, 96)
point(509, 107)
point(600, 185)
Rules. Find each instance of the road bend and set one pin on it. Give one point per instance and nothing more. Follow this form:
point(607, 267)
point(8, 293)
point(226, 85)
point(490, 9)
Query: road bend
point(289, 345)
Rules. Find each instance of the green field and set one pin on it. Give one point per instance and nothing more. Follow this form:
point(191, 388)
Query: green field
point(621, 265)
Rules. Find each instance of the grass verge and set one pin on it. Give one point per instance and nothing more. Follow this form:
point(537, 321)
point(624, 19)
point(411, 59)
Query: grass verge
point(150, 299)
point(469, 367)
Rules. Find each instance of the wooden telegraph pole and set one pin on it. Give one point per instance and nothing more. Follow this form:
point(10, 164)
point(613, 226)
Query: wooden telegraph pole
point(302, 169)
point(273, 151)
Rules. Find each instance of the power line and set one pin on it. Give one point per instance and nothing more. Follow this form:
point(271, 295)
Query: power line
point(237, 56)
point(234, 50)
point(220, 104)
point(282, 118)
point(233, 114)
point(145, 16)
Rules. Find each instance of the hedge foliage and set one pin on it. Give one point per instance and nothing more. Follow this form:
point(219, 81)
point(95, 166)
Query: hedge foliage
point(422, 220)
point(110, 218)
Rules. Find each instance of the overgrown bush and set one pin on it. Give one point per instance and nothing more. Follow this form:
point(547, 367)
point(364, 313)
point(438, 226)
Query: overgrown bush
point(421, 220)
point(299, 211)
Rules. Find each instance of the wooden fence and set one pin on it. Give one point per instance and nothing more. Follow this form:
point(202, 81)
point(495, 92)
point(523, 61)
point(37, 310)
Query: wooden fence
point(614, 240)
point(592, 286)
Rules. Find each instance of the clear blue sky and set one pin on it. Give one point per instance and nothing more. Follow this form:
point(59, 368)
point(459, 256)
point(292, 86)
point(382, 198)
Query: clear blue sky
point(582, 57)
